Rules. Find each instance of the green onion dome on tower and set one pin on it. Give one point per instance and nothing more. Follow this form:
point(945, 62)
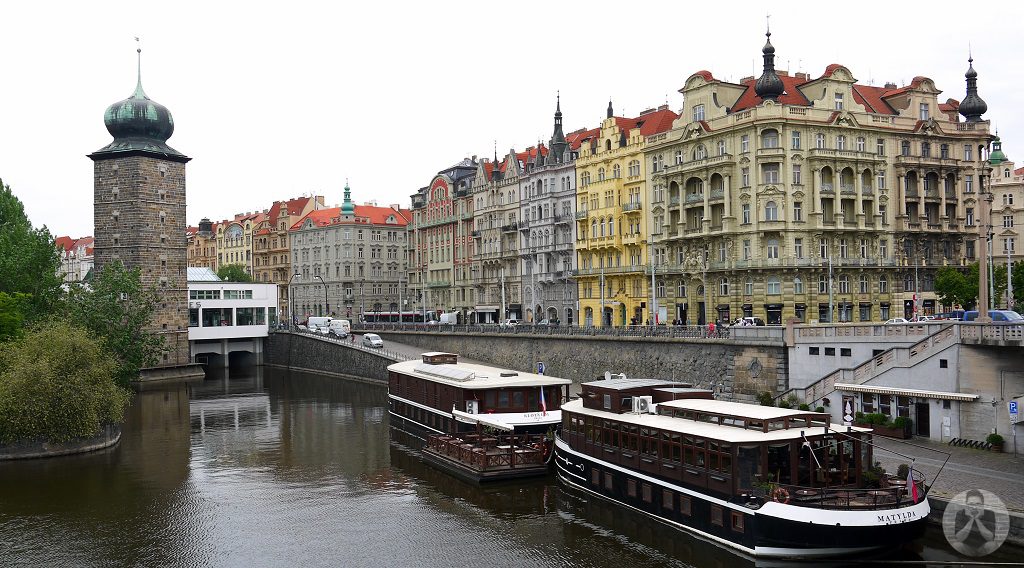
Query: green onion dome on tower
point(139, 125)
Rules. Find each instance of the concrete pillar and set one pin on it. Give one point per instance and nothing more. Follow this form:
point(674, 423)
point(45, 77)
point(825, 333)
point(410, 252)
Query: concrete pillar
point(224, 351)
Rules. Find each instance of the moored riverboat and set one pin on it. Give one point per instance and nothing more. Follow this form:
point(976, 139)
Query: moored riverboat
point(770, 482)
point(478, 422)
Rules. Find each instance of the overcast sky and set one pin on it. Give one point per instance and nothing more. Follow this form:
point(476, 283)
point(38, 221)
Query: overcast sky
point(277, 100)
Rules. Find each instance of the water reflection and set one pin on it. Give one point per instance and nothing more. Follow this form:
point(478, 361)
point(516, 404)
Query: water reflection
point(270, 468)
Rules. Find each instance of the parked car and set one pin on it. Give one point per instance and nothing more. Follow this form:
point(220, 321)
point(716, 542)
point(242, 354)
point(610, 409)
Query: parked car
point(748, 320)
point(921, 319)
point(372, 340)
point(508, 323)
point(896, 321)
point(954, 315)
point(548, 323)
point(996, 315)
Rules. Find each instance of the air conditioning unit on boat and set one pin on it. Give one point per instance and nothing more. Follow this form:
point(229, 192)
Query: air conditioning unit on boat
point(643, 404)
point(472, 406)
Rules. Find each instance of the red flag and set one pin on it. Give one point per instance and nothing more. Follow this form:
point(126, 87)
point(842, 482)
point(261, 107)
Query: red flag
point(911, 486)
point(543, 405)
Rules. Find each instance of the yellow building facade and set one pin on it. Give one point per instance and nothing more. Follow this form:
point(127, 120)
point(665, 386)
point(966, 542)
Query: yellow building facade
point(612, 234)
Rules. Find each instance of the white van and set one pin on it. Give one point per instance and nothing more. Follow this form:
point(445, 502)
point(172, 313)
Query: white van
point(340, 327)
point(318, 324)
point(450, 319)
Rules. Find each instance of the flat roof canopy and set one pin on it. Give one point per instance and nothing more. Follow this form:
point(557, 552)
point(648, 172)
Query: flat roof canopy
point(869, 389)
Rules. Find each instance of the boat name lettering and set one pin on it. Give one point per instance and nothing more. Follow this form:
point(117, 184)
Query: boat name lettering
point(533, 415)
point(896, 518)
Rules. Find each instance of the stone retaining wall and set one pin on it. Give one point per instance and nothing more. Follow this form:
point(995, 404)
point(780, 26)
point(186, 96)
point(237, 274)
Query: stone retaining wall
point(309, 353)
point(110, 435)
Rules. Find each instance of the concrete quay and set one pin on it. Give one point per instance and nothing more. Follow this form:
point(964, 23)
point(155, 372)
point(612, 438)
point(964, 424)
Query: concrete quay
point(967, 468)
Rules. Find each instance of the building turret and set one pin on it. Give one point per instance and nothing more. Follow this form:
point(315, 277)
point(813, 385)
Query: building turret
point(972, 106)
point(997, 156)
point(769, 86)
point(611, 112)
point(347, 207)
point(558, 145)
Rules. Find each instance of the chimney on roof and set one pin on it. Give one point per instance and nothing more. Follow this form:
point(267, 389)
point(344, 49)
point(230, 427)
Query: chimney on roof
point(802, 76)
point(396, 207)
point(663, 107)
point(648, 111)
point(890, 85)
point(745, 79)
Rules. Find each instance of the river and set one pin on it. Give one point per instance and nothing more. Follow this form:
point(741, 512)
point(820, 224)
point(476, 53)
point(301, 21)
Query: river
point(275, 468)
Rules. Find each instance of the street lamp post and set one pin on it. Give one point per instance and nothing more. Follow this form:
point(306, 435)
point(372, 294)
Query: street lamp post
point(327, 306)
point(291, 311)
point(983, 230)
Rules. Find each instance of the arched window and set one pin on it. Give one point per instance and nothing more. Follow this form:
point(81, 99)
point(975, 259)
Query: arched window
point(600, 174)
point(700, 152)
point(593, 229)
point(771, 211)
point(616, 171)
point(770, 138)
point(611, 226)
point(798, 285)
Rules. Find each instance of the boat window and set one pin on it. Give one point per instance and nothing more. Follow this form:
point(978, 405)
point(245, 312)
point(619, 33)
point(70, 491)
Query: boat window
point(649, 442)
point(757, 424)
point(748, 466)
point(737, 521)
point(667, 500)
point(779, 462)
point(776, 425)
point(716, 515)
point(729, 421)
point(684, 504)
point(677, 450)
point(646, 492)
point(503, 399)
point(631, 487)
point(611, 434)
point(629, 441)
point(531, 401)
point(595, 476)
point(608, 481)
point(607, 402)
point(518, 399)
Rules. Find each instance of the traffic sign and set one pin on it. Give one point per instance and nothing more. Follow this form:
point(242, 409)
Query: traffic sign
point(1013, 407)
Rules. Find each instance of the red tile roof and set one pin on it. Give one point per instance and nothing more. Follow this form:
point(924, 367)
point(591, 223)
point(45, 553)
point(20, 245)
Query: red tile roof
point(364, 215)
point(790, 96)
point(873, 99)
point(576, 138)
point(706, 74)
point(64, 243)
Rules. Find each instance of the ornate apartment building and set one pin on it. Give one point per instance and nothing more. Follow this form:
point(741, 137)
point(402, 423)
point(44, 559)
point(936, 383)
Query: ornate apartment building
point(235, 238)
point(1007, 211)
point(547, 199)
point(441, 247)
point(494, 271)
point(76, 257)
point(612, 226)
point(782, 196)
point(202, 245)
point(272, 248)
point(350, 262)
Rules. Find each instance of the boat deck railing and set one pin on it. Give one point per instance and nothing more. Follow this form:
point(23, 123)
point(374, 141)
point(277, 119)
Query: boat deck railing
point(891, 495)
point(485, 452)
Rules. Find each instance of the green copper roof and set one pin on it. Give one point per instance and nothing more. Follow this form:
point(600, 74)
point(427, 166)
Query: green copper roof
point(997, 156)
point(139, 125)
point(348, 208)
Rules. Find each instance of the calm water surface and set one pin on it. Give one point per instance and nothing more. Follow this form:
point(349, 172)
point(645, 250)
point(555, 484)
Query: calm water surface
point(271, 468)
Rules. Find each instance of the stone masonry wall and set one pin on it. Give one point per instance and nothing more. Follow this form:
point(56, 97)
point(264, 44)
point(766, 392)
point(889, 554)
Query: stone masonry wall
point(310, 353)
point(723, 366)
point(139, 218)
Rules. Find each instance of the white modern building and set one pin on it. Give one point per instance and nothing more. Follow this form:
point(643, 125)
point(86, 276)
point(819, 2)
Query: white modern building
point(228, 317)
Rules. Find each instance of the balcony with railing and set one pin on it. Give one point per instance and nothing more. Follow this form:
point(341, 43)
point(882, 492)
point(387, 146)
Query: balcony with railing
point(694, 198)
point(510, 228)
point(847, 188)
point(827, 188)
point(717, 194)
point(674, 201)
point(632, 206)
point(581, 215)
point(769, 152)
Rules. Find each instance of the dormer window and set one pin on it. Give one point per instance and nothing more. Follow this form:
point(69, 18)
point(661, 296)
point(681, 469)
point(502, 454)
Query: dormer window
point(839, 101)
point(698, 113)
point(924, 111)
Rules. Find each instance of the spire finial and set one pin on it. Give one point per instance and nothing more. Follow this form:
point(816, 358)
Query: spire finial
point(139, 93)
point(768, 24)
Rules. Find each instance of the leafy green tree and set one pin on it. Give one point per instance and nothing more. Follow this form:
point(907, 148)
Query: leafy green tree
point(233, 273)
point(951, 286)
point(12, 314)
point(117, 308)
point(29, 261)
point(47, 394)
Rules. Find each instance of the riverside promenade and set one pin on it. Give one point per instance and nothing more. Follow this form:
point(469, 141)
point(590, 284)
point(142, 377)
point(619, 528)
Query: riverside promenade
point(967, 468)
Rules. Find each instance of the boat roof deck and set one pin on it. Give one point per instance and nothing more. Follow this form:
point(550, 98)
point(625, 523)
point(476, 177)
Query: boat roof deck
point(724, 433)
point(473, 376)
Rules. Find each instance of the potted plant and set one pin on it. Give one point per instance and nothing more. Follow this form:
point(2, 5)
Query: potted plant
point(995, 441)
